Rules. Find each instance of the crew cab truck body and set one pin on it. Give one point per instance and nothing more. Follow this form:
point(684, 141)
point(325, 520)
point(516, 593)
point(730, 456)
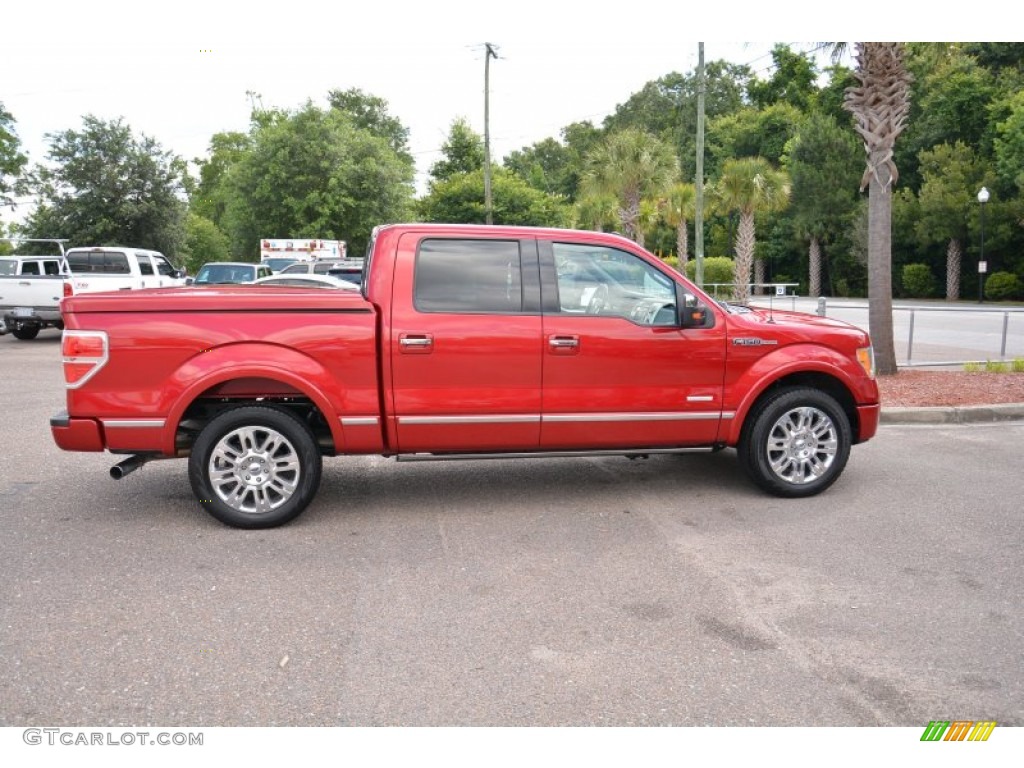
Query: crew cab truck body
point(465, 342)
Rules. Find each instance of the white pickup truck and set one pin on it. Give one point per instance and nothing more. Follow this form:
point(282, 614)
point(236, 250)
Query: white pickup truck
point(31, 288)
point(30, 302)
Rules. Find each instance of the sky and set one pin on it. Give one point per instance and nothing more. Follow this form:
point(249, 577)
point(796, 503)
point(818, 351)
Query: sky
point(180, 72)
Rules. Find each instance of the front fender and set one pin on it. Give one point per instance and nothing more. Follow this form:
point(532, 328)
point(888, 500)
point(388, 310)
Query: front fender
point(249, 360)
point(746, 386)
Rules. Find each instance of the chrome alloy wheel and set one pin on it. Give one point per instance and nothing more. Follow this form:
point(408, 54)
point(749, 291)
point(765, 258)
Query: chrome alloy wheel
point(254, 469)
point(801, 445)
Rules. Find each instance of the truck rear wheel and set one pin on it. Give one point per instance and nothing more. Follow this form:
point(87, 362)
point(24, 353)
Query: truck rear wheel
point(795, 443)
point(255, 467)
point(26, 332)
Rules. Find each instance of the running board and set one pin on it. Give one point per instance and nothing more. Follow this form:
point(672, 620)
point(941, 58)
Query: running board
point(631, 453)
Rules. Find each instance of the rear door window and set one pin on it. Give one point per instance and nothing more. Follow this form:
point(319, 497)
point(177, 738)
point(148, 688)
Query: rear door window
point(468, 276)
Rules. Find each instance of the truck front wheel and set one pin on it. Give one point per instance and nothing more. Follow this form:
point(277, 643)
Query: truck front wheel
point(255, 467)
point(795, 443)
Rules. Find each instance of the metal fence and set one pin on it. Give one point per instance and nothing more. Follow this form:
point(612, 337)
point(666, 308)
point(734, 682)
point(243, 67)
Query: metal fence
point(927, 335)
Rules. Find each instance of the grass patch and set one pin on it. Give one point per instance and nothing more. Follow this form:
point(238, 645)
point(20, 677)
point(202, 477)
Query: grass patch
point(996, 366)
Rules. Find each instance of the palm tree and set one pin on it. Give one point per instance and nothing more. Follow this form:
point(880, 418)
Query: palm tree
point(749, 185)
point(678, 208)
point(596, 211)
point(630, 165)
point(880, 105)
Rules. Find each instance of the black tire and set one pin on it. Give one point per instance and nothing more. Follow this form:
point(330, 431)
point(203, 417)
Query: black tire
point(255, 467)
point(26, 332)
point(795, 442)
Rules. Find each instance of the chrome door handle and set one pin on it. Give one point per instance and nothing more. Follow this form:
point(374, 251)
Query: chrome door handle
point(562, 342)
point(416, 342)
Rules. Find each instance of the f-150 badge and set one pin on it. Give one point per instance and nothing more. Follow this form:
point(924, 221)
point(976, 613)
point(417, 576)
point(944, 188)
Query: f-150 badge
point(752, 341)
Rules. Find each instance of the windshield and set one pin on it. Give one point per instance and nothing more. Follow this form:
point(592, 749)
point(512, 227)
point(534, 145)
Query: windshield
point(277, 263)
point(8, 266)
point(224, 273)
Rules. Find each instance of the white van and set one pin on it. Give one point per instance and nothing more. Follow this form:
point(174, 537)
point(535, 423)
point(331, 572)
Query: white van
point(117, 269)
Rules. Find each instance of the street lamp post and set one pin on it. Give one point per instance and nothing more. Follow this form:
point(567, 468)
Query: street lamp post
point(982, 265)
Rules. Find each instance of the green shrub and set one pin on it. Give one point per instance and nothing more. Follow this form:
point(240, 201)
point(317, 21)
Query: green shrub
point(918, 281)
point(1017, 366)
point(717, 269)
point(994, 366)
point(1003, 285)
point(672, 261)
point(973, 367)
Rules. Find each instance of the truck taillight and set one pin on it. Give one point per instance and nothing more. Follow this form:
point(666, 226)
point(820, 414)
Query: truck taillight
point(84, 352)
point(69, 290)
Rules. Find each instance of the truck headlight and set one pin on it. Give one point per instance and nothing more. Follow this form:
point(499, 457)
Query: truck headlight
point(866, 358)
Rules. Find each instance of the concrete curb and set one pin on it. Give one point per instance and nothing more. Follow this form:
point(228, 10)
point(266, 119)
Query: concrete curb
point(970, 414)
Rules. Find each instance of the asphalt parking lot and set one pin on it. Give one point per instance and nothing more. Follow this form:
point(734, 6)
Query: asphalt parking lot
point(544, 592)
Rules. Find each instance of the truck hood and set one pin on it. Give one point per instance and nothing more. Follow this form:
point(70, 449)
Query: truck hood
point(793, 327)
point(234, 298)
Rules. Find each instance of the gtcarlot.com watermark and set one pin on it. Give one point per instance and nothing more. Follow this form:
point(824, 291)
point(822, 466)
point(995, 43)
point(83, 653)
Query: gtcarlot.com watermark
point(70, 737)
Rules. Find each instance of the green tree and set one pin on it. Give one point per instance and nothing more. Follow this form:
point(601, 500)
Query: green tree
point(312, 173)
point(952, 94)
point(823, 164)
point(597, 211)
point(793, 81)
point(753, 133)
point(460, 199)
point(952, 176)
point(546, 165)
point(211, 196)
point(462, 152)
point(631, 165)
point(11, 160)
point(667, 107)
point(105, 186)
point(203, 242)
point(1009, 144)
point(749, 186)
point(880, 104)
point(370, 113)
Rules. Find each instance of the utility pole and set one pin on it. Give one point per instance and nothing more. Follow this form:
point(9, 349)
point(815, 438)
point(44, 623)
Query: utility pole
point(698, 218)
point(488, 206)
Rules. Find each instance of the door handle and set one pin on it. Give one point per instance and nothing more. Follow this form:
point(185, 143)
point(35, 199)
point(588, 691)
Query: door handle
point(416, 343)
point(564, 342)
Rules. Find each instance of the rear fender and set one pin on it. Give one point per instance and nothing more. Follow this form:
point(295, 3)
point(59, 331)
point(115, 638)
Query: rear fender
point(296, 371)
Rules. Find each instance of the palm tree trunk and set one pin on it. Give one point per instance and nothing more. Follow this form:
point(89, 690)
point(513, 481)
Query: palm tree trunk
point(681, 249)
point(759, 276)
point(814, 259)
point(880, 264)
point(953, 255)
point(629, 215)
point(744, 257)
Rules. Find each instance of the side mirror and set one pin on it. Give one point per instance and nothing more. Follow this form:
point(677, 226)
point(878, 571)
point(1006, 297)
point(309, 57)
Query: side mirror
point(694, 317)
point(189, 281)
point(692, 313)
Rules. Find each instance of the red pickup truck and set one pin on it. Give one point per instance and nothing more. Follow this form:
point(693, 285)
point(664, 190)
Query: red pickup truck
point(463, 342)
